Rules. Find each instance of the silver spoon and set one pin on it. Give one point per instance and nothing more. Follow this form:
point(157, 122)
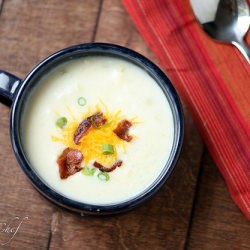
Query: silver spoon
point(225, 20)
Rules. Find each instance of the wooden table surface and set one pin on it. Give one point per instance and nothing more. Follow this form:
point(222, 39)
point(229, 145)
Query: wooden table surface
point(192, 211)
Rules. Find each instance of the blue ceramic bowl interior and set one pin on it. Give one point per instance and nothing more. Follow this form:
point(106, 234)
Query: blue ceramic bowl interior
point(29, 85)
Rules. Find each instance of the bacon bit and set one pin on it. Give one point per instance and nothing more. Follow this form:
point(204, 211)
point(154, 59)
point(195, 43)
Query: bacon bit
point(69, 162)
point(82, 129)
point(98, 119)
point(105, 169)
point(122, 130)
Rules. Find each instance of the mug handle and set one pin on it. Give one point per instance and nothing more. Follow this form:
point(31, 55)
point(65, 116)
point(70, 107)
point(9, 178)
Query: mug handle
point(8, 85)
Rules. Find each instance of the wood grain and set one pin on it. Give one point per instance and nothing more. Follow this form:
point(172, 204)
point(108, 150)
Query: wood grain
point(162, 222)
point(217, 222)
point(31, 30)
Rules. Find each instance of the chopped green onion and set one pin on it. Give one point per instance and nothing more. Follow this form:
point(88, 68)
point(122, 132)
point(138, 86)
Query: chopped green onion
point(61, 122)
point(107, 149)
point(82, 101)
point(88, 172)
point(103, 176)
point(93, 122)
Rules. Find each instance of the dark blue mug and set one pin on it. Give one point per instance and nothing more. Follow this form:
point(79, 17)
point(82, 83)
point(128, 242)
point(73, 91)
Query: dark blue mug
point(17, 91)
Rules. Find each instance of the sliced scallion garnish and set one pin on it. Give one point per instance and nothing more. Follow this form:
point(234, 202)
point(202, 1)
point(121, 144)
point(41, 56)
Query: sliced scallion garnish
point(82, 101)
point(61, 122)
point(88, 172)
point(103, 176)
point(107, 149)
point(93, 122)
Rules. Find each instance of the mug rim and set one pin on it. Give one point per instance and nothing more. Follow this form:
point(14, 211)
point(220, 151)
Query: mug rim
point(145, 64)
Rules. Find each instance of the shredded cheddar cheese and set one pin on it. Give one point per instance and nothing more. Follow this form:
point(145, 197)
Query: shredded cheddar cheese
point(91, 143)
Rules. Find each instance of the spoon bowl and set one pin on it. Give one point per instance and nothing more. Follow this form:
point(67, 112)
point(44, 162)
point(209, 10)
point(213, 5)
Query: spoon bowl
point(226, 21)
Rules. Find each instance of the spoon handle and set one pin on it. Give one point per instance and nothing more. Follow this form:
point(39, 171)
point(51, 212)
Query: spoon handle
point(242, 47)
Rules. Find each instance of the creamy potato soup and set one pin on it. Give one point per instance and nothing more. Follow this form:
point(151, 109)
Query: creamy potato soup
point(98, 130)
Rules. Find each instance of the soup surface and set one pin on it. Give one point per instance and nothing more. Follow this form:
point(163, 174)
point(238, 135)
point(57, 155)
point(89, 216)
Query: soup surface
point(71, 95)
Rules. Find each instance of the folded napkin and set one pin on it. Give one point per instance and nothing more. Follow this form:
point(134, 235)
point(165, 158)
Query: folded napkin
point(213, 79)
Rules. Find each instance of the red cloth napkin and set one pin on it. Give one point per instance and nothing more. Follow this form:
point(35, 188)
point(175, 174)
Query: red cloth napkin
point(212, 78)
